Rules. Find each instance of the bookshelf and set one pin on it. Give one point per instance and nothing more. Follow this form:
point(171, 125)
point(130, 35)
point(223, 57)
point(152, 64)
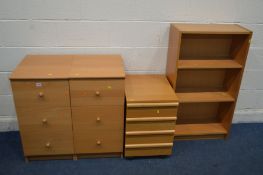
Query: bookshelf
point(205, 66)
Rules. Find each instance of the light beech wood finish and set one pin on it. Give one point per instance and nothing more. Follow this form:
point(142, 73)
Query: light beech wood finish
point(148, 152)
point(138, 112)
point(150, 125)
point(97, 92)
point(46, 131)
point(148, 88)
point(205, 66)
point(44, 96)
point(151, 111)
point(97, 66)
point(152, 138)
point(41, 93)
point(102, 124)
point(208, 64)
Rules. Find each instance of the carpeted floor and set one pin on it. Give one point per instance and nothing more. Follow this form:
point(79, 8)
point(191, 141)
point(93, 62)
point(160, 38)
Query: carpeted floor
point(240, 154)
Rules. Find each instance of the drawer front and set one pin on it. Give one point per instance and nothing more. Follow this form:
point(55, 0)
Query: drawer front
point(151, 112)
point(98, 141)
point(42, 93)
point(150, 125)
point(47, 118)
point(46, 131)
point(152, 138)
point(148, 151)
point(98, 117)
point(37, 142)
point(97, 92)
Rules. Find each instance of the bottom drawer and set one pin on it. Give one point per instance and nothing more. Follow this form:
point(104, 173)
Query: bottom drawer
point(36, 142)
point(141, 139)
point(148, 152)
point(98, 141)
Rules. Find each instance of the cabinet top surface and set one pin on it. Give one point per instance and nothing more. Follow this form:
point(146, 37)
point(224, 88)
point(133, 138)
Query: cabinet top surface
point(148, 88)
point(211, 28)
point(69, 67)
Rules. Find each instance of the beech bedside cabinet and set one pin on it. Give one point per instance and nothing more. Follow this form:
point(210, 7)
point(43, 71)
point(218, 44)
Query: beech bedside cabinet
point(151, 107)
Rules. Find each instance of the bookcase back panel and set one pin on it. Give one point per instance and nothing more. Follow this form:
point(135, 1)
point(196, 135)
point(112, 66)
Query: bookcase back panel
point(200, 80)
point(198, 113)
point(205, 46)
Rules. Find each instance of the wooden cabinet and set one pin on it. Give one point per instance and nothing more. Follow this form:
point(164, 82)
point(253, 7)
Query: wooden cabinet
point(205, 66)
point(70, 105)
point(151, 112)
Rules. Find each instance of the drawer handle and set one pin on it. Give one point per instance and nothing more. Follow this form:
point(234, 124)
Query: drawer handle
point(40, 94)
point(141, 105)
point(97, 93)
point(150, 119)
point(98, 142)
point(44, 121)
point(133, 133)
point(98, 119)
point(149, 145)
point(48, 145)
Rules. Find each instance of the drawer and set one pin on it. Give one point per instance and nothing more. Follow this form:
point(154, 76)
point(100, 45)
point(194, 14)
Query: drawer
point(144, 138)
point(98, 117)
point(97, 92)
point(98, 141)
point(41, 93)
point(37, 142)
point(151, 112)
point(150, 125)
point(148, 149)
point(43, 117)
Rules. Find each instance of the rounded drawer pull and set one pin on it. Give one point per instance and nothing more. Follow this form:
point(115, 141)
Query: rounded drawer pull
point(98, 119)
point(40, 94)
point(48, 145)
point(44, 121)
point(98, 142)
point(158, 111)
point(97, 93)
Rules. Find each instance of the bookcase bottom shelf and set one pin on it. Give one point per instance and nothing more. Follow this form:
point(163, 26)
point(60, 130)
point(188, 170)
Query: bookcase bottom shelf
point(200, 131)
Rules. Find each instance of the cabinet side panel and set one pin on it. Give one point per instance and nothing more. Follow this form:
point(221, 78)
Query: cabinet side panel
point(173, 55)
point(233, 83)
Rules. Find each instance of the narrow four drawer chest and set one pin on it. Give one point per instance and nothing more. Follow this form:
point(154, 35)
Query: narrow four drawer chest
point(151, 109)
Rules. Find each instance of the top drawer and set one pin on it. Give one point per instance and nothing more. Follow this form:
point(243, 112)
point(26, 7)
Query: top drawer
point(152, 111)
point(97, 92)
point(41, 93)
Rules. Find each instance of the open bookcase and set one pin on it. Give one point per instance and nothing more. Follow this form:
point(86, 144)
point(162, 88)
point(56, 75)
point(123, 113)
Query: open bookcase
point(205, 66)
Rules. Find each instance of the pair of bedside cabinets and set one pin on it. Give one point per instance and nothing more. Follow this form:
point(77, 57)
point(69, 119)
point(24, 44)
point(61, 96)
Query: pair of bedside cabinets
point(74, 106)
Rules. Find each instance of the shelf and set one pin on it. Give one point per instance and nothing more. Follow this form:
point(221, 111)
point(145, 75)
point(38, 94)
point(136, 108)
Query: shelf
point(199, 129)
point(208, 64)
point(193, 97)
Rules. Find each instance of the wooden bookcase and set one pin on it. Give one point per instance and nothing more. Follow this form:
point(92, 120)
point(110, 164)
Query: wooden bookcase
point(205, 66)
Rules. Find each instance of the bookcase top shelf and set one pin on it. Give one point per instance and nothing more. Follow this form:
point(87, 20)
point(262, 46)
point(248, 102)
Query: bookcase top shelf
point(211, 29)
point(208, 64)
